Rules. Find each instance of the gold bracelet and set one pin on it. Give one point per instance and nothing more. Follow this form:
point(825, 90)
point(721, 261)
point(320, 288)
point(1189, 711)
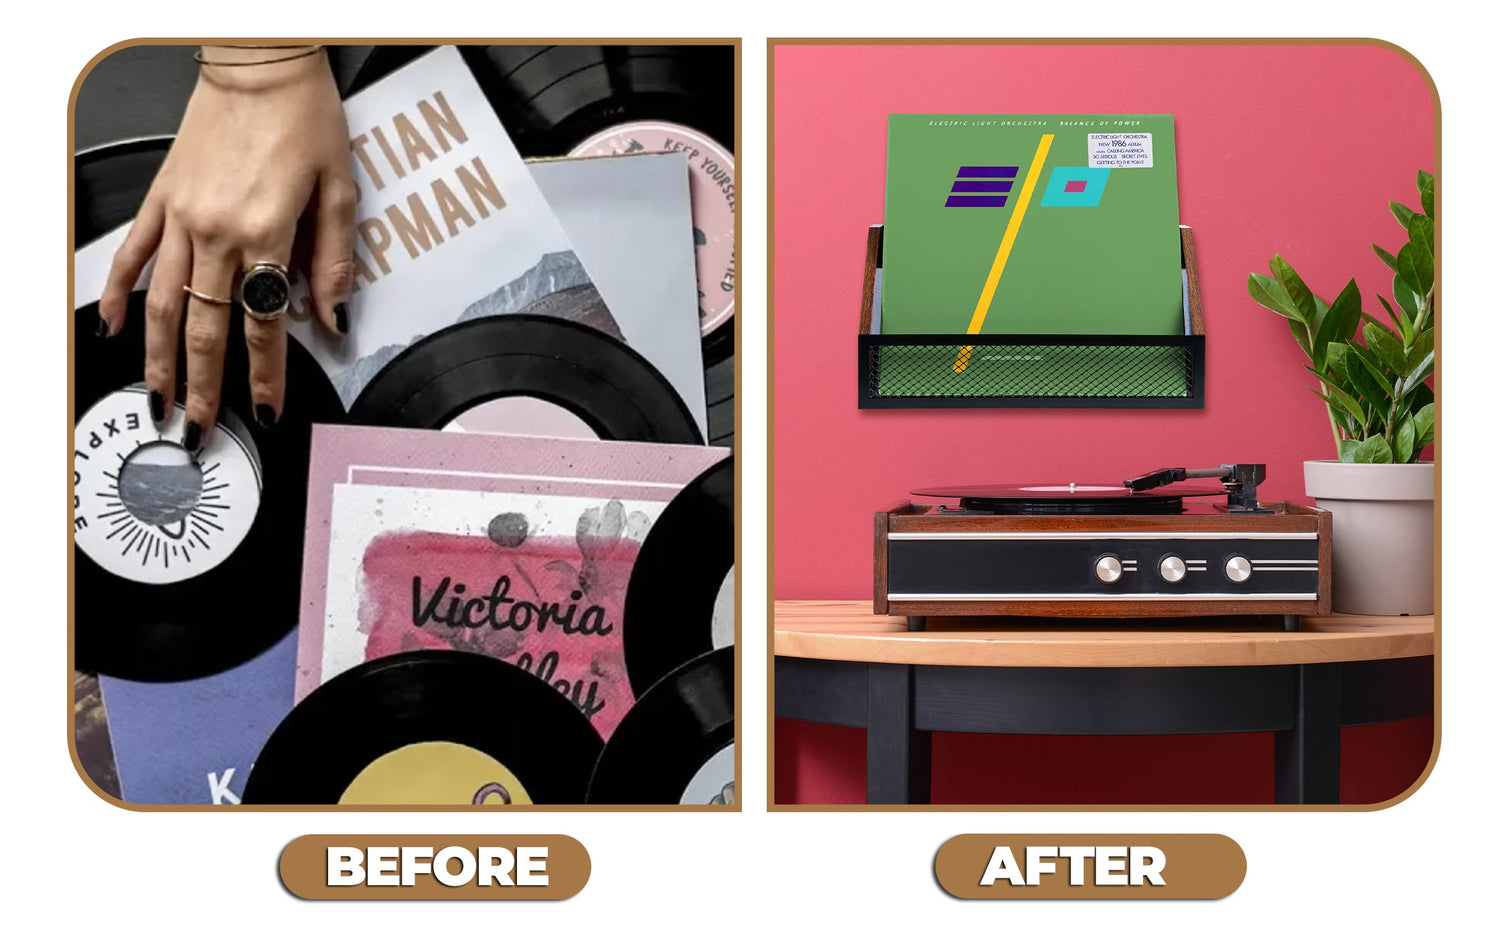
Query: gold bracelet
point(198, 56)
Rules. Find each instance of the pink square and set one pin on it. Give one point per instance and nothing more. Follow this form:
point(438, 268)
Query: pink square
point(1075, 186)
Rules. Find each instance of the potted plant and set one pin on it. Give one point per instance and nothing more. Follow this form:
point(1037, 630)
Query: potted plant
point(1373, 379)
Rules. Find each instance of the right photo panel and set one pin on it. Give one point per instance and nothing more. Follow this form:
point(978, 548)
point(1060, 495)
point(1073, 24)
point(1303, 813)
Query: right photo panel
point(1105, 423)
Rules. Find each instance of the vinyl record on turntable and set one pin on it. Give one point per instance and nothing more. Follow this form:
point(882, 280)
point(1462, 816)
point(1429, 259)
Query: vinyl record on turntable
point(1061, 499)
point(599, 379)
point(184, 568)
point(428, 728)
point(676, 744)
point(680, 601)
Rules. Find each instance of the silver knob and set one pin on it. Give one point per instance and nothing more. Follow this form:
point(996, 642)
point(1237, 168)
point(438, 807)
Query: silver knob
point(1108, 568)
point(1237, 569)
point(1172, 568)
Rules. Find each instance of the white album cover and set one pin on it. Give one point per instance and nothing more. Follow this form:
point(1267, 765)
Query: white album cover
point(630, 217)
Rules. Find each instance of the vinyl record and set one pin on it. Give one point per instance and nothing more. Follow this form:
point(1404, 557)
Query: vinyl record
point(553, 97)
point(183, 569)
point(1043, 498)
point(676, 744)
point(676, 606)
point(110, 182)
point(602, 381)
point(428, 727)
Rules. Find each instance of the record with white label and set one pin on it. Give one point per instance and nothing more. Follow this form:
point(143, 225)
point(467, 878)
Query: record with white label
point(428, 728)
point(184, 567)
point(676, 744)
point(680, 602)
point(600, 380)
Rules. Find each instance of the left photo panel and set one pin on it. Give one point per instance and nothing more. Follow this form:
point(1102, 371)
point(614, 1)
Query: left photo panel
point(402, 453)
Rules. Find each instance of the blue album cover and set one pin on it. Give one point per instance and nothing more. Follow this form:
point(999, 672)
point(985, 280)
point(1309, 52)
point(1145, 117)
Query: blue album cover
point(194, 741)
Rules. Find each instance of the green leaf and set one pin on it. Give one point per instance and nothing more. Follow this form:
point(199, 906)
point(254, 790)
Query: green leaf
point(1338, 362)
point(1386, 256)
point(1299, 332)
point(1403, 323)
point(1419, 349)
point(1403, 215)
point(1269, 293)
point(1421, 372)
point(1414, 268)
point(1387, 346)
point(1338, 323)
point(1336, 396)
point(1368, 375)
point(1425, 189)
point(1404, 297)
point(1421, 233)
point(1426, 426)
point(1405, 438)
point(1373, 450)
point(1346, 450)
point(1302, 298)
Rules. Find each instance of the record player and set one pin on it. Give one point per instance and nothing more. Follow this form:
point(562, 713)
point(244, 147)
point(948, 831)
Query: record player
point(1154, 545)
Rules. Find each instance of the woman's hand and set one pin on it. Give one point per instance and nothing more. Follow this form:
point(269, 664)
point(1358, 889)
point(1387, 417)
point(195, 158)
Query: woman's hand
point(260, 148)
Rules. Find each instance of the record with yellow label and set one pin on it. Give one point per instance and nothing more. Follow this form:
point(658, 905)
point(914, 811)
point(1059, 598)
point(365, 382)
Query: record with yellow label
point(428, 728)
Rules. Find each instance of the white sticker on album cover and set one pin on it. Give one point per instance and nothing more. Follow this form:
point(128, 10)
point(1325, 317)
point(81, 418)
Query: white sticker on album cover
point(1119, 149)
point(142, 508)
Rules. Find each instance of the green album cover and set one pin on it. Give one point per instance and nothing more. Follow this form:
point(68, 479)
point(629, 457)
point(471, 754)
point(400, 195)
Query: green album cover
point(1061, 225)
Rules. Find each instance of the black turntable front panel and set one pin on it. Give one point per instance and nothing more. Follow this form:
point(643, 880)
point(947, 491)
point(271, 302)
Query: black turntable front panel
point(1082, 566)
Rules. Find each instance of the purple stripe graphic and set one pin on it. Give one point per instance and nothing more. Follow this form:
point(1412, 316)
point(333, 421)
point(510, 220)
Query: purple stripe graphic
point(981, 186)
point(975, 201)
point(988, 172)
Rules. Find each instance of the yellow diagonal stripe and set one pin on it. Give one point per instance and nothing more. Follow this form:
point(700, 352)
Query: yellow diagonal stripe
point(997, 268)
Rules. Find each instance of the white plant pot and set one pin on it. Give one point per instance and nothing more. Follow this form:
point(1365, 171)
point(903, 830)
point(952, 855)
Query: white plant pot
point(1382, 534)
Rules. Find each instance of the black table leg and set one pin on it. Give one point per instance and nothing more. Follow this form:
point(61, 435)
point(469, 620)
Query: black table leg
point(898, 759)
point(916, 623)
point(1307, 756)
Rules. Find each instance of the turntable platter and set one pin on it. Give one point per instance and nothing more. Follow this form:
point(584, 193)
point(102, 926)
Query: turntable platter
point(1069, 499)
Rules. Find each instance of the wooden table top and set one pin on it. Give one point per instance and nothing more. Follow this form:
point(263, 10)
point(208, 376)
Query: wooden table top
point(846, 630)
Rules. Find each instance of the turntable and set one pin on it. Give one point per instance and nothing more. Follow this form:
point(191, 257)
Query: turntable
point(1154, 545)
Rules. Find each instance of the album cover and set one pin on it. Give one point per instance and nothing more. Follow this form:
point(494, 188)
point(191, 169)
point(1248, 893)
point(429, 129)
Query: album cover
point(1044, 224)
point(194, 741)
point(623, 215)
point(511, 546)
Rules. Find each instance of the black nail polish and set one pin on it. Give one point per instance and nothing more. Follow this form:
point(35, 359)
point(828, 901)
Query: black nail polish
point(158, 406)
point(192, 436)
point(341, 318)
point(103, 328)
point(265, 416)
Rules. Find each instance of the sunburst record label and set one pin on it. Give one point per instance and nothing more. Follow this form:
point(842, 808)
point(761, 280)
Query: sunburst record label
point(143, 509)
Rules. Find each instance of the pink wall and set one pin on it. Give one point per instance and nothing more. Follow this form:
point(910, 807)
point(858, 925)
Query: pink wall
point(1289, 149)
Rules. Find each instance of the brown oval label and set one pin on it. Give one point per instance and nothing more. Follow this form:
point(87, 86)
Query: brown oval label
point(435, 867)
point(1090, 866)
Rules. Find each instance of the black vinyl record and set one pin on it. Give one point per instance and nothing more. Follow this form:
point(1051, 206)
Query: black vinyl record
point(552, 97)
point(451, 698)
point(1049, 499)
point(671, 734)
point(677, 577)
point(110, 182)
point(604, 382)
point(171, 589)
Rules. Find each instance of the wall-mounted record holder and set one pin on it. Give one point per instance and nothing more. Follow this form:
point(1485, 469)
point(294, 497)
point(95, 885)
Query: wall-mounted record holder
point(1030, 371)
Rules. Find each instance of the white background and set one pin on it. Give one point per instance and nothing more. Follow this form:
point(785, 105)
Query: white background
point(79, 860)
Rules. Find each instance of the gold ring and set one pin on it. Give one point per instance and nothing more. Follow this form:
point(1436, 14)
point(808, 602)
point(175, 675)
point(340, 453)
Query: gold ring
point(205, 298)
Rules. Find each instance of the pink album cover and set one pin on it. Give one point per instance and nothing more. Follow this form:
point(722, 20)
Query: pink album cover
point(514, 546)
